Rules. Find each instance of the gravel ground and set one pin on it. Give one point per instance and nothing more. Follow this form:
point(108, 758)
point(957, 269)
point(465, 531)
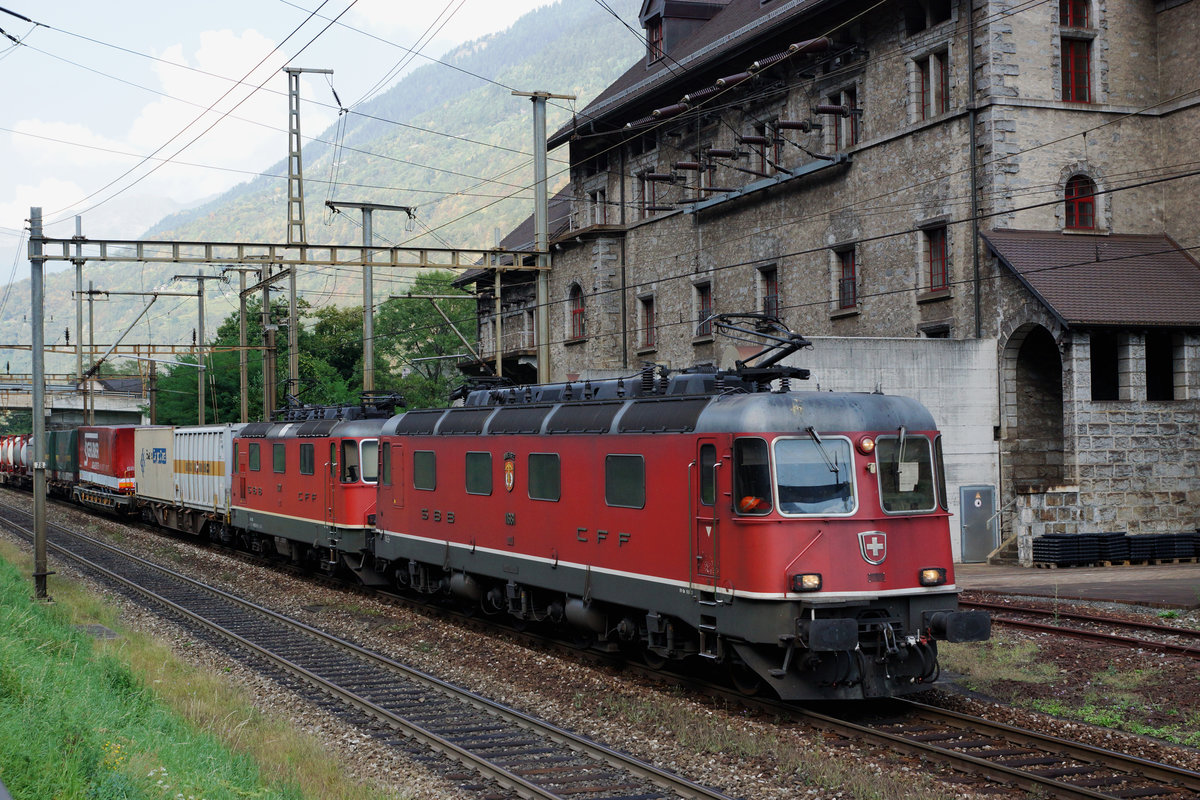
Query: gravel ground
point(618, 709)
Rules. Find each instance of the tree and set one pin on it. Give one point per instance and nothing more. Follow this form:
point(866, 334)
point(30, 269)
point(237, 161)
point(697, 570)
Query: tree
point(413, 336)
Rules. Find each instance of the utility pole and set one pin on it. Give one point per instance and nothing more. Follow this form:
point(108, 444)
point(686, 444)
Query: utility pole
point(37, 301)
point(297, 235)
point(78, 261)
point(368, 283)
point(541, 227)
point(200, 279)
point(243, 354)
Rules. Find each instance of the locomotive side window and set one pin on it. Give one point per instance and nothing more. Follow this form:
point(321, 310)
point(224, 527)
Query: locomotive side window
point(625, 481)
point(279, 458)
point(254, 457)
point(905, 473)
point(708, 474)
point(308, 461)
point(235, 457)
point(385, 465)
point(815, 477)
point(479, 473)
point(424, 470)
point(751, 476)
point(940, 468)
point(370, 460)
point(545, 478)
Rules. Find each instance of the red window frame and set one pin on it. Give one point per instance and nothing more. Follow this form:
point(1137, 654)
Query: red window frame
point(654, 39)
point(703, 309)
point(847, 279)
point(1073, 13)
point(1076, 70)
point(1080, 200)
point(935, 240)
point(578, 328)
point(649, 326)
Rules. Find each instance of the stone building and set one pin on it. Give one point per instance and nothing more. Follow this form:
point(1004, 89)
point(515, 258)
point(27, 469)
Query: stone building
point(1017, 174)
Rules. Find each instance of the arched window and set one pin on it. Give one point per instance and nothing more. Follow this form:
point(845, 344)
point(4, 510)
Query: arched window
point(1080, 199)
point(578, 329)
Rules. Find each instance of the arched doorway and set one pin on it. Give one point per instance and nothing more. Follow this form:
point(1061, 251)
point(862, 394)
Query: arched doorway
point(1033, 440)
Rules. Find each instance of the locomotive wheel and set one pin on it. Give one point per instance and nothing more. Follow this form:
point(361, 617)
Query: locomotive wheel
point(653, 660)
point(744, 679)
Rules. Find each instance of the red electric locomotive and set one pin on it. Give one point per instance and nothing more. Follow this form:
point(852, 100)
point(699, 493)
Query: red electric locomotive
point(801, 538)
point(304, 488)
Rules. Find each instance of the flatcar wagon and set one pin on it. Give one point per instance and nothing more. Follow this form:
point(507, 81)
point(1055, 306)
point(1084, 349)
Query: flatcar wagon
point(800, 538)
point(305, 488)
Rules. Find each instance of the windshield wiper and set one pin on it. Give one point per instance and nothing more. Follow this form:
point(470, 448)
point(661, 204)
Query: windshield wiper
point(831, 463)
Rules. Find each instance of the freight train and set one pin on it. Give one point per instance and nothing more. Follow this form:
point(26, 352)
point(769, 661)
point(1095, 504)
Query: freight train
point(799, 539)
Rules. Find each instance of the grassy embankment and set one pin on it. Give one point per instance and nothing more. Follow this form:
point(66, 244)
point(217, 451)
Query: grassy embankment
point(124, 720)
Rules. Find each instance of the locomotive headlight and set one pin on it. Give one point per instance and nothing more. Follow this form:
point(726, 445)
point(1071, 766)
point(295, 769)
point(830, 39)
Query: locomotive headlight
point(807, 582)
point(933, 576)
point(866, 445)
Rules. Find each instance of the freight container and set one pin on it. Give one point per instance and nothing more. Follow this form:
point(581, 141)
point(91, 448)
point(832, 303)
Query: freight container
point(154, 463)
point(106, 467)
point(183, 476)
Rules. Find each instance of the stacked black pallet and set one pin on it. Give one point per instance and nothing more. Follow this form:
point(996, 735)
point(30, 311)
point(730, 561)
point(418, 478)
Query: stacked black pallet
point(1179, 545)
point(1066, 549)
point(1143, 546)
point(1113, 546)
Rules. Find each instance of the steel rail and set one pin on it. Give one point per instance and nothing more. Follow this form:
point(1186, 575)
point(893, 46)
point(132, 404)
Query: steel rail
point(670, 782)
point(1189, 651)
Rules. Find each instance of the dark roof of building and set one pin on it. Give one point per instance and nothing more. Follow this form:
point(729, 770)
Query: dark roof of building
point(133, 385)
point(522, 237)
point(1119, 279)
point(739, 24)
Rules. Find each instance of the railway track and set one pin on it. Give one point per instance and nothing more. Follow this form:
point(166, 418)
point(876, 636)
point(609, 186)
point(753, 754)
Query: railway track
point(1170, 639)
point(1046, 765)
point(525, 756)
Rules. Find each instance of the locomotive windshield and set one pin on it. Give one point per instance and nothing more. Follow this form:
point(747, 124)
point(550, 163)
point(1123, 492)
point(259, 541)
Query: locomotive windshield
point(815, 476)
point(906, 477)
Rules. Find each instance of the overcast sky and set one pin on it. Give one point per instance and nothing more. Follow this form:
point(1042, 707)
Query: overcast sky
point(105, 85)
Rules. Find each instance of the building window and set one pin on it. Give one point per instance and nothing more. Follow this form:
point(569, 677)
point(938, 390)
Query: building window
point(598, 206)
point(769, 153)
point(649, 325)
point(933, 91)
point(845, 128)
point(703, 309)
point(646, 197)
point(1073, 13)
point(935, 258)
point(654, 39)
point(1161, 357)
point(768, 279)
point(847, 279)
point(1106, 375)
point(1080, 197)
point(1076, 70)
point(578, 328)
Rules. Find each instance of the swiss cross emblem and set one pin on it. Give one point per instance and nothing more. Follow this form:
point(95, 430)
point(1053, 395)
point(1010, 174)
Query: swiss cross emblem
point(873, 545)
point(510, 471)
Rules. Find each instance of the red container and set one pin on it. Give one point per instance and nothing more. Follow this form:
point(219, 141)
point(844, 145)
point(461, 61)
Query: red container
point(106, 457)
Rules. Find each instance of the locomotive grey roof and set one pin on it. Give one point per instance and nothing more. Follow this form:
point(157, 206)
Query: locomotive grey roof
point(765, 412)
point(312, 429)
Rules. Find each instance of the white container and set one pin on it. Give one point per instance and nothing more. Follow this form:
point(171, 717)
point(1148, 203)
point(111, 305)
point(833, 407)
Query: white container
point(204, 466)
point(153, 463)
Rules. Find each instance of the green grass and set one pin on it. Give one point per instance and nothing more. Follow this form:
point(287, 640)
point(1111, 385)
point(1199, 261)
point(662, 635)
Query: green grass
point(124, 720)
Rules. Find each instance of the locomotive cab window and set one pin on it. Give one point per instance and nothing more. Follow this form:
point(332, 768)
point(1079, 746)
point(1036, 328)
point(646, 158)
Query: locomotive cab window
point(479, 473)
point(708, 475)
point(815, 475)
point(370, 460)
point(545, 477)
point(308, 461)
point(751, 477)
point(279, 458)
point(906, 479)
point(385, 465)
point(235, 457)
point(424, 470)
point(939, 465)
point(350, 465)
point(254, 457)
point(625, 481)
